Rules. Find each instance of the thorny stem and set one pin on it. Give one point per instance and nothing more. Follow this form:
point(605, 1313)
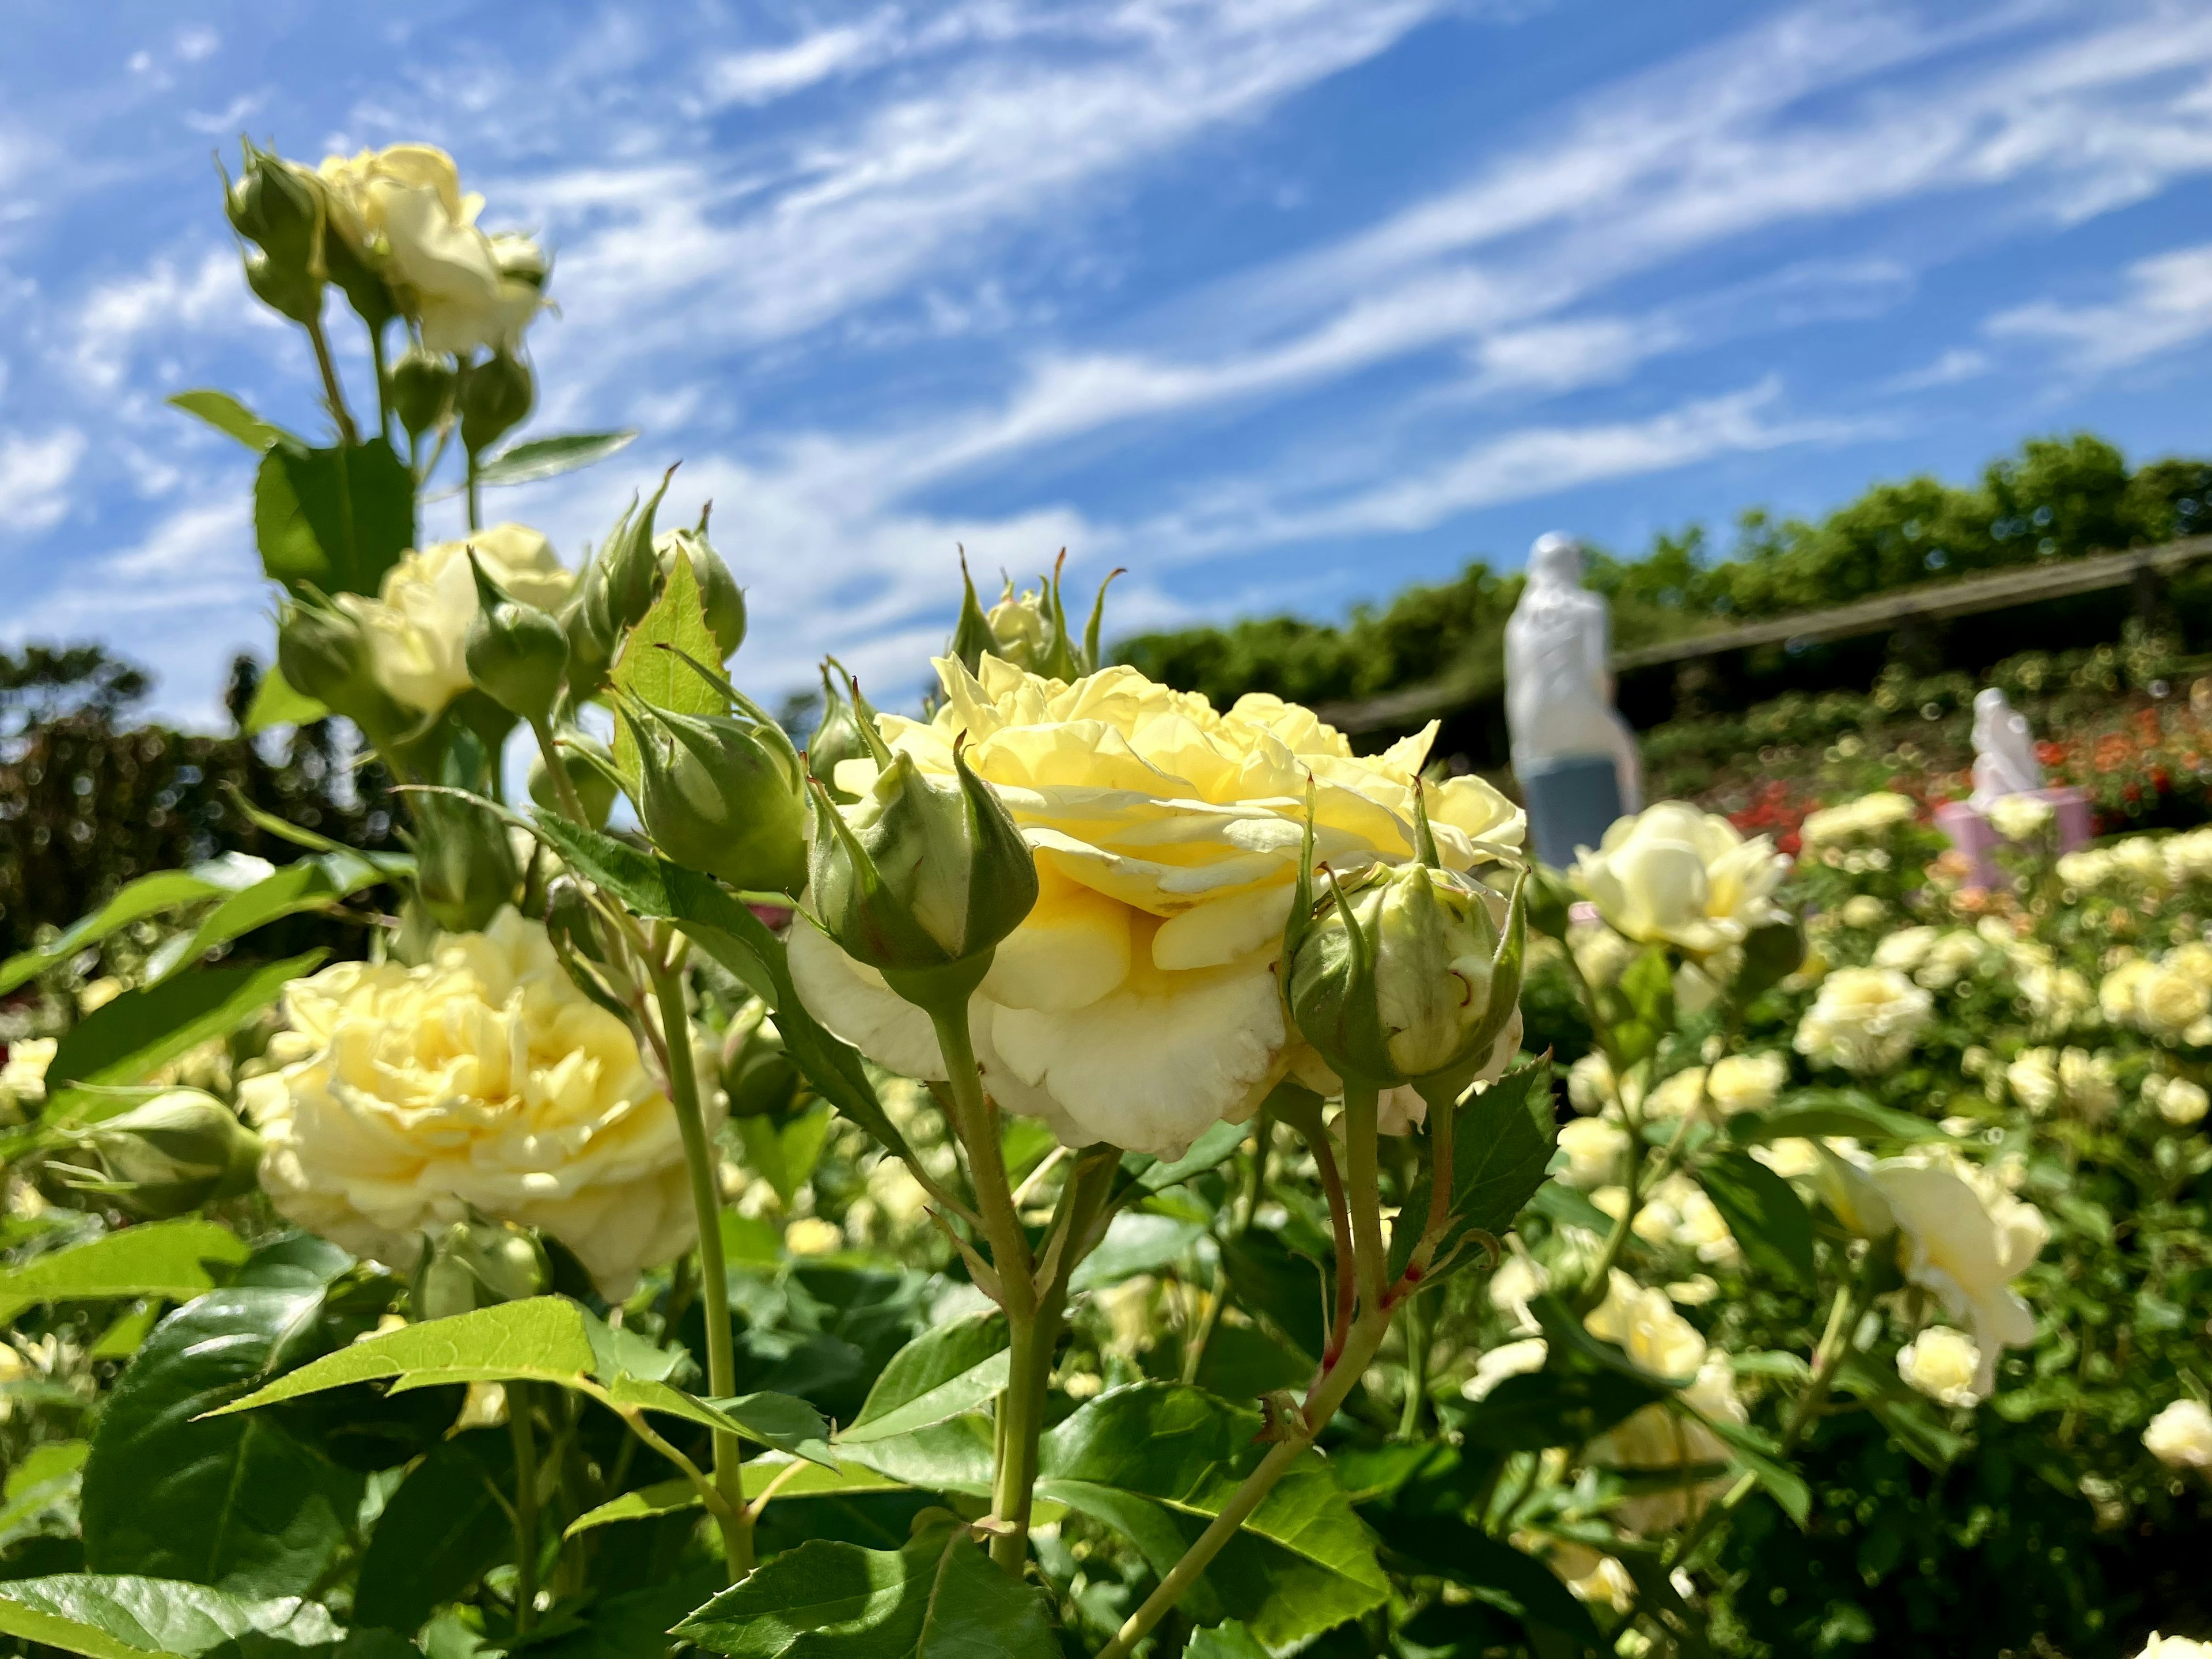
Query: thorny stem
point(564, 787)
point(1340, 1221)
point(713, 1274)
point(1363, 1192)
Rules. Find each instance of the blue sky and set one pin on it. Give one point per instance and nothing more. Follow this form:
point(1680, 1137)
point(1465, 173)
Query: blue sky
point(1279, 303)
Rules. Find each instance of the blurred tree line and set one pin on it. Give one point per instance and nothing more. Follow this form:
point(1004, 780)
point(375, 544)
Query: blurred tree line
point(2056, 499)
point(91, 796)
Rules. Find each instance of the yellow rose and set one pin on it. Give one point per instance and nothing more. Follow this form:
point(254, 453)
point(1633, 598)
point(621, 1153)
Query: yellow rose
point(1645, 1325)
point(2180, 1436)
point(481, 1080)
point(1865, 1020)
point(1137, 1004)
point(402, 210)
point(1942, 1364)
point(2174, 1647)
point(1513, 1359)
point(1595, 1147)
point(2166, 1003)
point(1905, 948)
point(23, 1078)
point(1865, 818)
point(1965, 1238)
point(1675, 875)
point(418, 624)
point(1747, 1083)
point(2176, 1099)
point(2033, 1079)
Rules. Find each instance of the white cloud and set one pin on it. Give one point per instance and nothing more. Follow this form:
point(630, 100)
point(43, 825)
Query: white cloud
point(1960, 363)
point(162, 299)
point(35, 477)
point(762, 76)
point(2167, 304)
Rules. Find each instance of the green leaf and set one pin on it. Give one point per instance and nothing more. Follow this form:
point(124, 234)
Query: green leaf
point(785, 1155)
point(443, 1529)
point(1136, 1243)
point(1501, 1141)
point(938, 1598)
point(1564, 1406)
point(953, 1369)
point(140, 1030)
point(661, 677)
point(234, 419)
point(546, 1339)
point(1911, 1421)
point(1269, 1279)
point(149, 896)
point(1445, 1547)
point(1229, 1640)
point(240, 1503)
point(672, 1497)
point(1764, 1212)
point(632, 1625)
point(741, 942)
point(1209, 1150)
point(1639, 1008)
point(41, 1492)
point(1771, 955)
point(309, 883)
point(1758, 1455)
point(548, 457)
point(108, 1617)
point(332, 520)
point(175, 1260)
point(1818, 1112)
point(1157, 1461)
point(276, 703)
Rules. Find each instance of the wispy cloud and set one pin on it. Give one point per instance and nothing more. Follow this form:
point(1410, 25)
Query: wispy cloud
point(34, 478)
point(2165, 303)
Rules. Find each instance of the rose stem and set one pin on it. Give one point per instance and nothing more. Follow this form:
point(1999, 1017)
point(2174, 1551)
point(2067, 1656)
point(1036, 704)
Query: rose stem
point(714, 1274)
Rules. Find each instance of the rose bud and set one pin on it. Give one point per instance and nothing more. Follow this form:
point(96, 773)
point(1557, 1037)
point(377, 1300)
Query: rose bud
point(478, 1264)
point(722, 794)
point(174, 1153)
point(721, 599)
point(516, 653)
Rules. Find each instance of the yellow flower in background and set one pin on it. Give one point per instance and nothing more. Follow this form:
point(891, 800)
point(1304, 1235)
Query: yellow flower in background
point(1138, 1003)
point(23, 1078)
point(1595, 1147)
point(813, 1235)
point(2176, 1099)
point(2180, 1436)
point(1964, 1237)
point(1645, 1326)
point(1942, 1364)
point(418, 624)
point(1865, 1020)
point(1675, 875)
point(1854, 820)
point(403, 211)
point(483, 1081)
point(2174, 1647)
point(1905, 948)
point(2019, 817)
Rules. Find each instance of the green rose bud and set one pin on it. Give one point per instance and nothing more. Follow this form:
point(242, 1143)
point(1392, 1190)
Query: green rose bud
point(324, 654)
point(1409, 975)
point(722, 794)
point(620, 583)
point(590, 765)
point(847, 725)
point(174, 1153)
point(465, 867)
point(495, 397)
point(422, 386)
point(921, 877)
point(516, 653)
point(1021, 629)
point(478, 1264)
point(719, 597)
point(278, 206)
point(759, 1077)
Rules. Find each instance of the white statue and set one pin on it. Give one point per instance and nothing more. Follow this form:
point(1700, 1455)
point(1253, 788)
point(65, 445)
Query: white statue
point(2004, 752)
point(1558, 688)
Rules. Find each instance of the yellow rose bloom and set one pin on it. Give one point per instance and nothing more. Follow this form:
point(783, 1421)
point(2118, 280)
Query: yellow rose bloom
point(1138, 1003)
point(1644, 1324)
point(1675, 875)
point(482, 1080)
point(1942, 1364)
point(418, 624)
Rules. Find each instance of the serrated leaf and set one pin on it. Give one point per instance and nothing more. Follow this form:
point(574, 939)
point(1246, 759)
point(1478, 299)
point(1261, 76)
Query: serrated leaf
point(1209, 1150)
point(242, 1504)
point(275, 703)
point(1229, 1640)
point(105, 1616)
point(140, 1030)
point(173, 1260)
point(1136, 1243)
point(1764, 1212)
point(1500, 1145)
point(1157, 1461)
point(548, 457)
point(953, 1369)
point(741, 942)
point(785, 1154)
point(149, 896)
point(661, 677)
point(310, 884)
point(546, 1338)
point(332, 520)
point(441, 1531)
point(234, 419)
point(673, 1497)
point(938, 1598)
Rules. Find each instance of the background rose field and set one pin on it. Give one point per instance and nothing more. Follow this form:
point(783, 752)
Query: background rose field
point(524, 1149)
